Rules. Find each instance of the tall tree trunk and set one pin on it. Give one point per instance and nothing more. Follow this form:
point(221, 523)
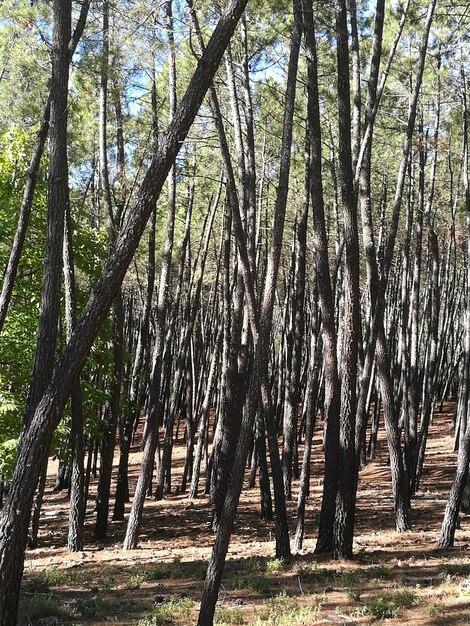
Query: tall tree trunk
point(24, 214)
point(311, 402)
point(142, 357)
point(261, 330)
point(292, 390)
point(77, 480)
point(435, 298)
point(320, 245)
point(449, 523)
point(57, 201)
point(203, 426)
point(151, 430)
point(345, 503)
point(111, 415)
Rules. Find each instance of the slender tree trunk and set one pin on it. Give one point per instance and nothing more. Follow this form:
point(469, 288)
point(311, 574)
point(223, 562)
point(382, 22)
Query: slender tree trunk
point(320, 244)
point(310, 420)
point(449, 523)
point(345, 503)
point(57, 201)
point(77, 481)
point(292, 390)
point(151, 431)
point(11, 268)
point(261, 330)
point(141, 362)
point(112, 414)
point(203, 425)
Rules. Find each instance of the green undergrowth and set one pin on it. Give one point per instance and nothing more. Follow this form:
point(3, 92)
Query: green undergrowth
point(101, 578)
point(389, 605)
point(171, 611)
point(177, 569)
point(35, 607)
point(312, 573)
point(255, 592)
point(229, 616)
point(285, 610)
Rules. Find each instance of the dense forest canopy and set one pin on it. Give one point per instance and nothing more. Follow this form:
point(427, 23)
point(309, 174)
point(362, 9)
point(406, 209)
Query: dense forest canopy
point(235, 221)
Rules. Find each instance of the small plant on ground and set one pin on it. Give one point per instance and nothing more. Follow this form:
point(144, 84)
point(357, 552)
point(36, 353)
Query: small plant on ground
point(259, 584)
point(255, 564)
point(380, 572)
point(455, 569)
point(348, 578)
point(43, 581)
point(228, 617)
point(435, 609)
point(105, 579)
point(166, 613)
point(177, 569)
point(274, 565)
point(135, 581)
point(284, 610)
point(36, 607)
point(96, 606)
point(353, 595)
point(389, 605)
point(312, 573)
point(171, 570)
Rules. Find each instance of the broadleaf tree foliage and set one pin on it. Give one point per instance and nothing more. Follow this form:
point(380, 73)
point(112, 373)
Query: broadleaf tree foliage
point(230, 222)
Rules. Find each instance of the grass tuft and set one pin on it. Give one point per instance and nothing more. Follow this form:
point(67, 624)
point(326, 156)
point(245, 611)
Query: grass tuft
point(36, 607)
point(274, 565)
point(228, 617)
point(177, 570)
point(166, 613)
point(389, 605)
point(284, 610)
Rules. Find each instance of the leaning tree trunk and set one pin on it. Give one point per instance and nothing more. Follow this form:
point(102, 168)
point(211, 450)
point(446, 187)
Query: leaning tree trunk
point(451, 515)
point(292, 390)
point(204, 419)
point(311, 401)
point(235, 361)
point(32, 453)
point(434, 305)
point(153, 412)
point(364, 197)
point(11, 269)
point(261, 330)
point(399, 485)
point(141, 362)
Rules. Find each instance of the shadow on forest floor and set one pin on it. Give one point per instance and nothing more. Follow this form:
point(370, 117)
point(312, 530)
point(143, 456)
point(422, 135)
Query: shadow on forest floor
point(404, 579)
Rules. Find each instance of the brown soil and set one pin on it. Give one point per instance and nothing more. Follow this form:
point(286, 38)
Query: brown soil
point(405, 576)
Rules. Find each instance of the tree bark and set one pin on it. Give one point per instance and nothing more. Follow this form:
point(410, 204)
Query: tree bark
point(345, 504)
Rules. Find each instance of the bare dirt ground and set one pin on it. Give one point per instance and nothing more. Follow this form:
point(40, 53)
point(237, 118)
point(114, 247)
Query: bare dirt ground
point(401, 579)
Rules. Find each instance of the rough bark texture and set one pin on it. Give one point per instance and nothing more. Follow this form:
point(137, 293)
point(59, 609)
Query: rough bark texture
point(325, 294)
point(345, 503)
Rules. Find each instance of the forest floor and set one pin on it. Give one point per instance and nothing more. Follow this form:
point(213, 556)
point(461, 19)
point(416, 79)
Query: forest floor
point(401, 579)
